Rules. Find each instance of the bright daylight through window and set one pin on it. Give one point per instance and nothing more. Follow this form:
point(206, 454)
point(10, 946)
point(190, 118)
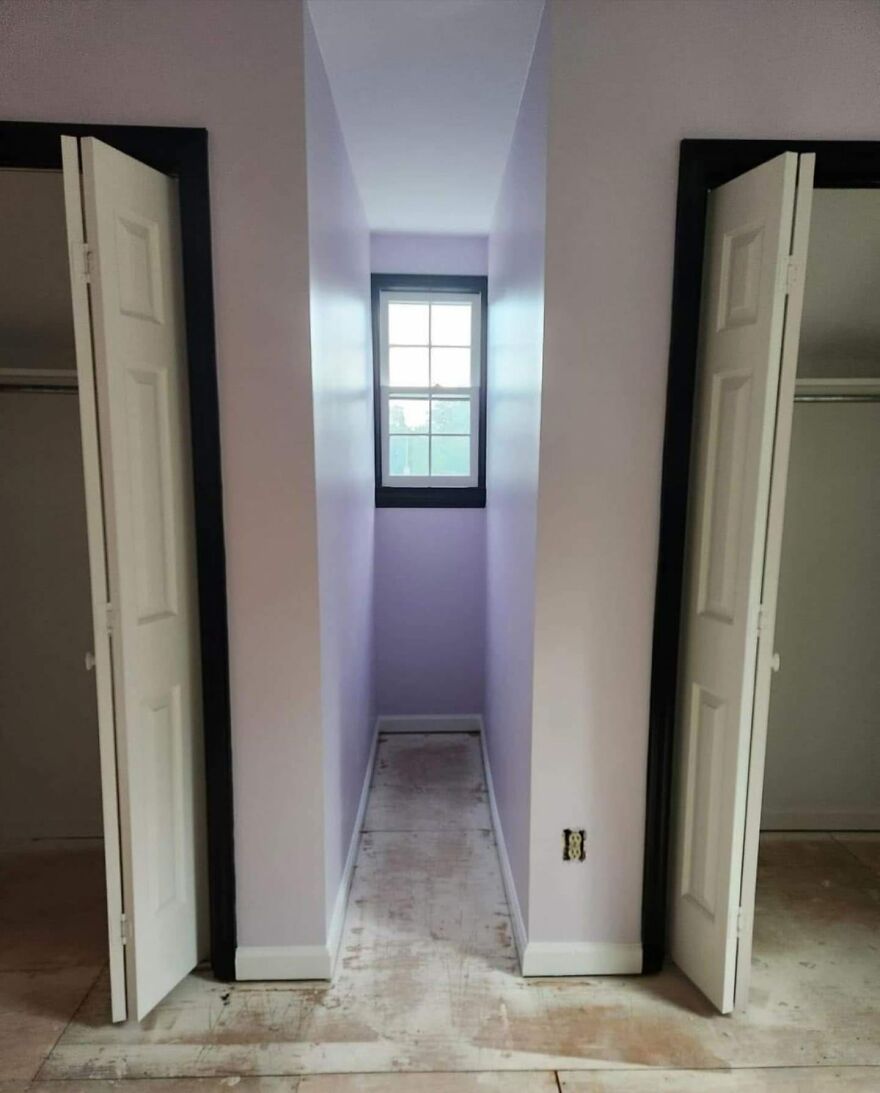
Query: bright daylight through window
point(429, 394)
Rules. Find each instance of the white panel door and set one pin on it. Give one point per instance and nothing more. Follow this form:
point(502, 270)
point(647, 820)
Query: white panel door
point(747, 314)
point(135, 283)
point(100, 595)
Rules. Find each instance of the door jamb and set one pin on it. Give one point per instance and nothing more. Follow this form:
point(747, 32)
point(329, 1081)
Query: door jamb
point(183, 153)
point(703, 165)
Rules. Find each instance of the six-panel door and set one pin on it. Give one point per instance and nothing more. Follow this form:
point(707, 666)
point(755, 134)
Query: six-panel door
point(131, 214)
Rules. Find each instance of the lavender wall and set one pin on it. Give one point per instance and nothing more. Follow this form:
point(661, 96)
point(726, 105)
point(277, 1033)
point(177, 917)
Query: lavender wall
point(516, 320)
point(616, 118)
point(237, 70)
point(342, 379)
point(398, 252)
point(430, 611)
point(430, 563)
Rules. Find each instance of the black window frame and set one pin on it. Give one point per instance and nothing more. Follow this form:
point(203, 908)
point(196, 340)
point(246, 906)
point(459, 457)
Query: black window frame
point(429, 497)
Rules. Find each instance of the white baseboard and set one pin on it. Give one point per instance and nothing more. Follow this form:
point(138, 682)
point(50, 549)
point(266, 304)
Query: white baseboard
point(581, 958)
point(516, 918)
point(283, 962)
point(537, 958)
point(553, 958)
point(817, 820)
point(337, 919)
point(467, 722)
point(312, 961)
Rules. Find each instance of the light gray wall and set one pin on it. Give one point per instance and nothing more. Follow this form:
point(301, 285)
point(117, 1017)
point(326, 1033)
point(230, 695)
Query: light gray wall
point(840, 332)
point(36, 328)
point(516, 324)
point(342, 379)
point(49, 775)
point(628, 82)
point(823, 739)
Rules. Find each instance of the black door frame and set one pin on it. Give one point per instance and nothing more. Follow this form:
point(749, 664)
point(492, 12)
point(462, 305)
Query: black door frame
point(183, 153)
point(703, 165)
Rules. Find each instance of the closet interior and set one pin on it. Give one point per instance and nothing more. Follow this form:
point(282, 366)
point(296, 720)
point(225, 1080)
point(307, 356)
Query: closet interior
point(823, 744)
point(51, 857)
point(820, 848)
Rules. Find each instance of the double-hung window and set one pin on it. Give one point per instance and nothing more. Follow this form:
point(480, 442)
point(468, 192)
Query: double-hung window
point(429, 350)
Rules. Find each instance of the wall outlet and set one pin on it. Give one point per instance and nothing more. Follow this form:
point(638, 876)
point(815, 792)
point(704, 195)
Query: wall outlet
point(574, 844)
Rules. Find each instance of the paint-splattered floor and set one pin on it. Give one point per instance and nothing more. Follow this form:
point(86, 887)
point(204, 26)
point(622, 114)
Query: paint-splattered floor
point(427, 979)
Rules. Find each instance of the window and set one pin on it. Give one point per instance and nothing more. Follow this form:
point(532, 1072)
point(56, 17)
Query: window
point(429, 337)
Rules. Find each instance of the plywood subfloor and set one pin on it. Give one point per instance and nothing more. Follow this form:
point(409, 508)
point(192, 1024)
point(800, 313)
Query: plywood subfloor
point(53, 945)
point(427, 981)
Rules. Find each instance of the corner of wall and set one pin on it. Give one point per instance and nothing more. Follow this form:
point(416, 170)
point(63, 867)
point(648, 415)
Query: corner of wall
point(341, 370)
point(516, 315)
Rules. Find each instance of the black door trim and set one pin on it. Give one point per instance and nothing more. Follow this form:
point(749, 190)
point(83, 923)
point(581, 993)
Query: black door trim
point(183, 152)
point(703, 165)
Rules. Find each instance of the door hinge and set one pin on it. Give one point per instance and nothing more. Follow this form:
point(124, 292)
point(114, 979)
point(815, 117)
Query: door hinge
point(109, 617)
point(123, 928)
point(762, 619)
point(739, 922)
point(792, 274)
point(83, 256)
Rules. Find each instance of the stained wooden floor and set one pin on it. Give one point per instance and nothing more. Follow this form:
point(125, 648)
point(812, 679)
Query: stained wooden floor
point(427, 979)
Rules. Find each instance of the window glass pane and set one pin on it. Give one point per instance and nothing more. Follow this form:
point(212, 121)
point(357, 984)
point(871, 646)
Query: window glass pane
point(408, 366)
point(450, 324)
point(450, 455)
point(407, 415)
point(407, 324)
point(450, 415)
point(408, 455)
point(451, 367)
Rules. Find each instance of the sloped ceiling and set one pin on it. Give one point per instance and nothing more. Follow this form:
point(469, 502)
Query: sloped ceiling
point(427, 93)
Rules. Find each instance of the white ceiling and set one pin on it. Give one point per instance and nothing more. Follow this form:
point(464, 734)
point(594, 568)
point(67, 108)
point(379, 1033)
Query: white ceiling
point(427, 93)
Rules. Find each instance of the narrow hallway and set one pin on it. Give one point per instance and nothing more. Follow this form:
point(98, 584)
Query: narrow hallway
point(427, 895)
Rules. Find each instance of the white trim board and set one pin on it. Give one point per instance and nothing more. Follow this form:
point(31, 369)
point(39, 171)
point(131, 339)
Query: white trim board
point(268, 962)
point(283, 962)
point(815, 820)
point(516, 918)
point(467, 722)
point(554, 958)
point(537, 958)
